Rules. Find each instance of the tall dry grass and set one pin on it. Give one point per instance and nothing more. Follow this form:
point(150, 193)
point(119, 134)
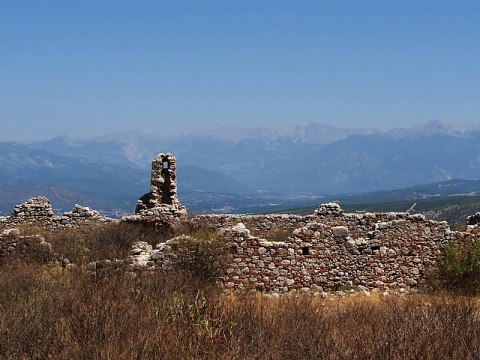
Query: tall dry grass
point(48, 312)
point(51, 312)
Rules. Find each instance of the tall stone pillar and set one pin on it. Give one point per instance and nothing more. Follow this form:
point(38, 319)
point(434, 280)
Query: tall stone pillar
point(162, 200)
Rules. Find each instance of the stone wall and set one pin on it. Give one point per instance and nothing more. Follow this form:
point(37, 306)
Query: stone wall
point(328, 256)
point(266, 226)
point(15, 246)
point(473, 219)
point(38, 212)
point(328, 250)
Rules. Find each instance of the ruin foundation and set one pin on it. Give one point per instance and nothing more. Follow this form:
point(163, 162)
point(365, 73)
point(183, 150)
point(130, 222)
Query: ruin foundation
point(328, 250)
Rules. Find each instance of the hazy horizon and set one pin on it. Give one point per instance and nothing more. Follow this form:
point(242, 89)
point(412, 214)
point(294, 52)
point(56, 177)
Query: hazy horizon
point(86, 69)
point(236, 132)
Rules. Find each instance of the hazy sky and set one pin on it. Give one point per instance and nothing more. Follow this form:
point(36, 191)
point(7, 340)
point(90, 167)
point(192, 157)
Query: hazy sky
point(86, 68)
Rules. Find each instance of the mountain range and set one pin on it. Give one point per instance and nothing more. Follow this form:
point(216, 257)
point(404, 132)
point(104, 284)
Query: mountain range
point(238, 169)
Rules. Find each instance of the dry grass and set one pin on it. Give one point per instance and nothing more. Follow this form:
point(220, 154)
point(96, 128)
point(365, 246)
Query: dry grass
point(99, 241)
point(279, 234)
point(50, 312)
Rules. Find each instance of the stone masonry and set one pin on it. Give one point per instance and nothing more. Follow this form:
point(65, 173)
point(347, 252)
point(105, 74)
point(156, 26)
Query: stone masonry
point(161, 204)
point(328, 250)
point(15, 246)
point(38, 212)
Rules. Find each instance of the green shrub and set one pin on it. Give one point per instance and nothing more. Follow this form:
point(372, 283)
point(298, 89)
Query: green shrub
point(202, 253)
point(458, 267)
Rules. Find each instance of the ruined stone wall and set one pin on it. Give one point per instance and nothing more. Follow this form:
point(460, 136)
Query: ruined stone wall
point(320, 256)
point(328, 250)
point(267, 226)
point(38, 212)
point(473, 219)
point(15, 246)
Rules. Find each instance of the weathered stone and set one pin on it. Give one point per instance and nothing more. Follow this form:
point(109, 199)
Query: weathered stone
point(329, 209)
point(161, 204)
point(362, 288)
point(340, 231)
point(324, 251)
point(38, 211)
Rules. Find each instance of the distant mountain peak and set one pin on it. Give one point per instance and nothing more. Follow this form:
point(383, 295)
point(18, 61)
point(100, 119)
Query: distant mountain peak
point(435, 127)
point(64, 140)
point(123, 137)
point(311, 133)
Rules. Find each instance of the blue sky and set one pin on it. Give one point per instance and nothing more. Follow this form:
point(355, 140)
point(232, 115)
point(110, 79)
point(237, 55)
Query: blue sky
point(86, 68)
